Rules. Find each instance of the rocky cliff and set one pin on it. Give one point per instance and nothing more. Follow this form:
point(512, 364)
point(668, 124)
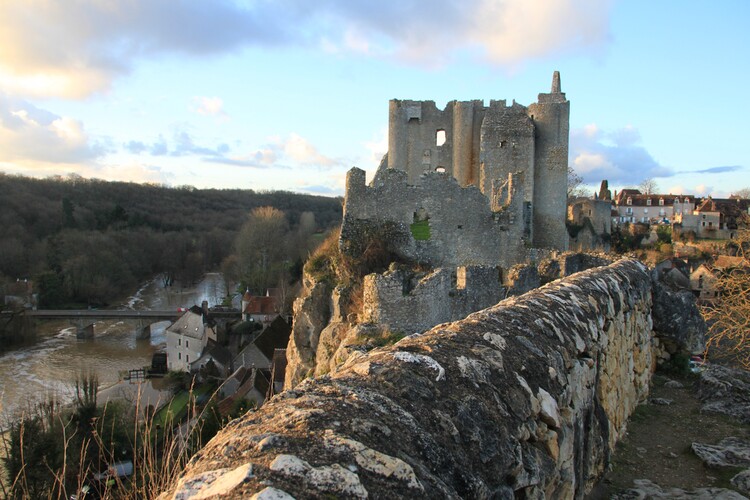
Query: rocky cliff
point(526, 398)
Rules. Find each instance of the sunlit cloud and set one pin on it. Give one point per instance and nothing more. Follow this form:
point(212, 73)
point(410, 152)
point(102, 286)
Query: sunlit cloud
point(31, 133)
point(74, 49)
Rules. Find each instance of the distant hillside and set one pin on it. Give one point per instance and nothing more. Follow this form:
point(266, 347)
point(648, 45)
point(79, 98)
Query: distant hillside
point(87, 240)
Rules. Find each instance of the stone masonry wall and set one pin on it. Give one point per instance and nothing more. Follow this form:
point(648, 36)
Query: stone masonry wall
point(404, 301)
point(525, 399)
point(465, 228)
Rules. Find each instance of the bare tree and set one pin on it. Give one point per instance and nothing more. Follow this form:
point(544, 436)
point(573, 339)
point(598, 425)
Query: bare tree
point(728, 318)
point(648, 186)
point(743, 193)
point(575, 187)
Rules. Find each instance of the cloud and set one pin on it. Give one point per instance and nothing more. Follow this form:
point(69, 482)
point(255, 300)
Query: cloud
point(29, 133)
point(74, 49)
point(716, 170)
point(209, 106)
point(616, 156)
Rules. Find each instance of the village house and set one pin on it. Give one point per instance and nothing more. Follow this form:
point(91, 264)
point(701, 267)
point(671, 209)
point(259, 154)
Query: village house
point(188, 337)
point(261, 309)
point(632, 206)
point(715, 218)
point(703, 281)
point(259, 353)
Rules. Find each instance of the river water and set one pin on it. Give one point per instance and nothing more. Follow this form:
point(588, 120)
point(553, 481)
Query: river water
point(51, 364)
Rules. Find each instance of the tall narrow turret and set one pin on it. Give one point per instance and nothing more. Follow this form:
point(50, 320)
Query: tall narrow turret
point(551, 117)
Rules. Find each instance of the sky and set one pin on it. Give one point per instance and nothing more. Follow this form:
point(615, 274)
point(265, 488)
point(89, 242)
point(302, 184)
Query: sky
point(290, 94)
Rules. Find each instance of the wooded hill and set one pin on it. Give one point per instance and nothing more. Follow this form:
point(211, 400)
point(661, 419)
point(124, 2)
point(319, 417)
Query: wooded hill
point(88, 241)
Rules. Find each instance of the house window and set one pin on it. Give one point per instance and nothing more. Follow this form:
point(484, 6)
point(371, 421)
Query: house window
point(629, 210)
point(187, 343)
point(700, 282)
point(645, 211)
point(187, 358)
point(179, 341)
point(648, 202)
point(179, 355)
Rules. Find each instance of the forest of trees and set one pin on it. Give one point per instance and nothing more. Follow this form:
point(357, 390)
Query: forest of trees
point(86, 242)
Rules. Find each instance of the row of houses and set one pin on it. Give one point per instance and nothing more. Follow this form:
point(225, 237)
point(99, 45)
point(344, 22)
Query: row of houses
point(707, 218)
point(253, 369)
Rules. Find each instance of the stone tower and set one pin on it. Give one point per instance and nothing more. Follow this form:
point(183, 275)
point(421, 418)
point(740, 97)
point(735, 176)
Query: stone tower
point(551, 117)
point(478, 145)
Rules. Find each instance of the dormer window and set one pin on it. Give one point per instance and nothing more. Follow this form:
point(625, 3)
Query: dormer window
point(629, 201)
point(648, 202)
point(661, 202)
point(676, 201)
point(686, 201)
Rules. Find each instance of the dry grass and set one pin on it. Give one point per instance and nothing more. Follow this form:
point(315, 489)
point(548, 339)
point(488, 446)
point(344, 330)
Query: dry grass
point(158, 456)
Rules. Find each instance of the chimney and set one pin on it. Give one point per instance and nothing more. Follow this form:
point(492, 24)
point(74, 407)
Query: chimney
point(204, 306)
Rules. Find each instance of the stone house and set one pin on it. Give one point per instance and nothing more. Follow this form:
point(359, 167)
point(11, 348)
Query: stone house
point(244, 383)
point(188, 337)
point(261, 308)
point(703, 283)
point(589, 224)
point(259, 352)
point(716, 218)
point(216, 354)
point(632, 206)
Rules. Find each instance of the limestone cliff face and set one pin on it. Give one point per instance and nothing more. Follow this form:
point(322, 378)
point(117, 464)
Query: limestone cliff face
point(312, 313)
point(525, 398)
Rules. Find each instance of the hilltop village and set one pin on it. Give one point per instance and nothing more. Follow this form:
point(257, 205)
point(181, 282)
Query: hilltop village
point(439, 344)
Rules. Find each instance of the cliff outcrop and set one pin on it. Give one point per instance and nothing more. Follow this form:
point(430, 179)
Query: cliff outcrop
point(527, 397)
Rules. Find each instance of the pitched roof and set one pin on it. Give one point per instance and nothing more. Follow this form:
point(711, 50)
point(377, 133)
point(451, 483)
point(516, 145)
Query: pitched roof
point(707, 205)
point(261, 305)
point(275, 336)
point(218, 352)
point(641, 200)
point(190, 324)
point(279, 365)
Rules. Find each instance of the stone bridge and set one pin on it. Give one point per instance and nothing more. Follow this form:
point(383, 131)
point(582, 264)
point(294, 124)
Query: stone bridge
point(525, 399)
point(84, 319)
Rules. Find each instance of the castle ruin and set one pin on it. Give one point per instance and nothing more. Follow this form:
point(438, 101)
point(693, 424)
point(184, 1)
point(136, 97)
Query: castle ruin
point(479, 145)
point(469, 185)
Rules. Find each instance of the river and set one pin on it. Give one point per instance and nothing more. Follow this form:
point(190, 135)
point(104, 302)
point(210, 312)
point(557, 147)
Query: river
point(51, 364)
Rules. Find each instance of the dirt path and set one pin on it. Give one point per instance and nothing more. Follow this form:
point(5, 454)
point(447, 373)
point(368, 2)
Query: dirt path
point(658, 443)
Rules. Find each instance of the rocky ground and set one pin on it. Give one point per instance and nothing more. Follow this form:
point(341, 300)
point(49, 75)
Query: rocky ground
point(659, 456)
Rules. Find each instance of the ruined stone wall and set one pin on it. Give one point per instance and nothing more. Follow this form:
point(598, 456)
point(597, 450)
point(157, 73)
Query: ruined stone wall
point(401, 300)
point(464, 228)
point(526, 399)
point(413, 128)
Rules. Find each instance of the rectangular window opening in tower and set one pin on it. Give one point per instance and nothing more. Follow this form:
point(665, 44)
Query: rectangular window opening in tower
point(440, 137)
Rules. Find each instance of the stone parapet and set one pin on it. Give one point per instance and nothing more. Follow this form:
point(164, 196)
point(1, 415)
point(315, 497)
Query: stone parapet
point(526, 398)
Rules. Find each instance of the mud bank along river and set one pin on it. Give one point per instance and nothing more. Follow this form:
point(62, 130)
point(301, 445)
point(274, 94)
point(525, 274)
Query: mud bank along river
point(50, 365)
